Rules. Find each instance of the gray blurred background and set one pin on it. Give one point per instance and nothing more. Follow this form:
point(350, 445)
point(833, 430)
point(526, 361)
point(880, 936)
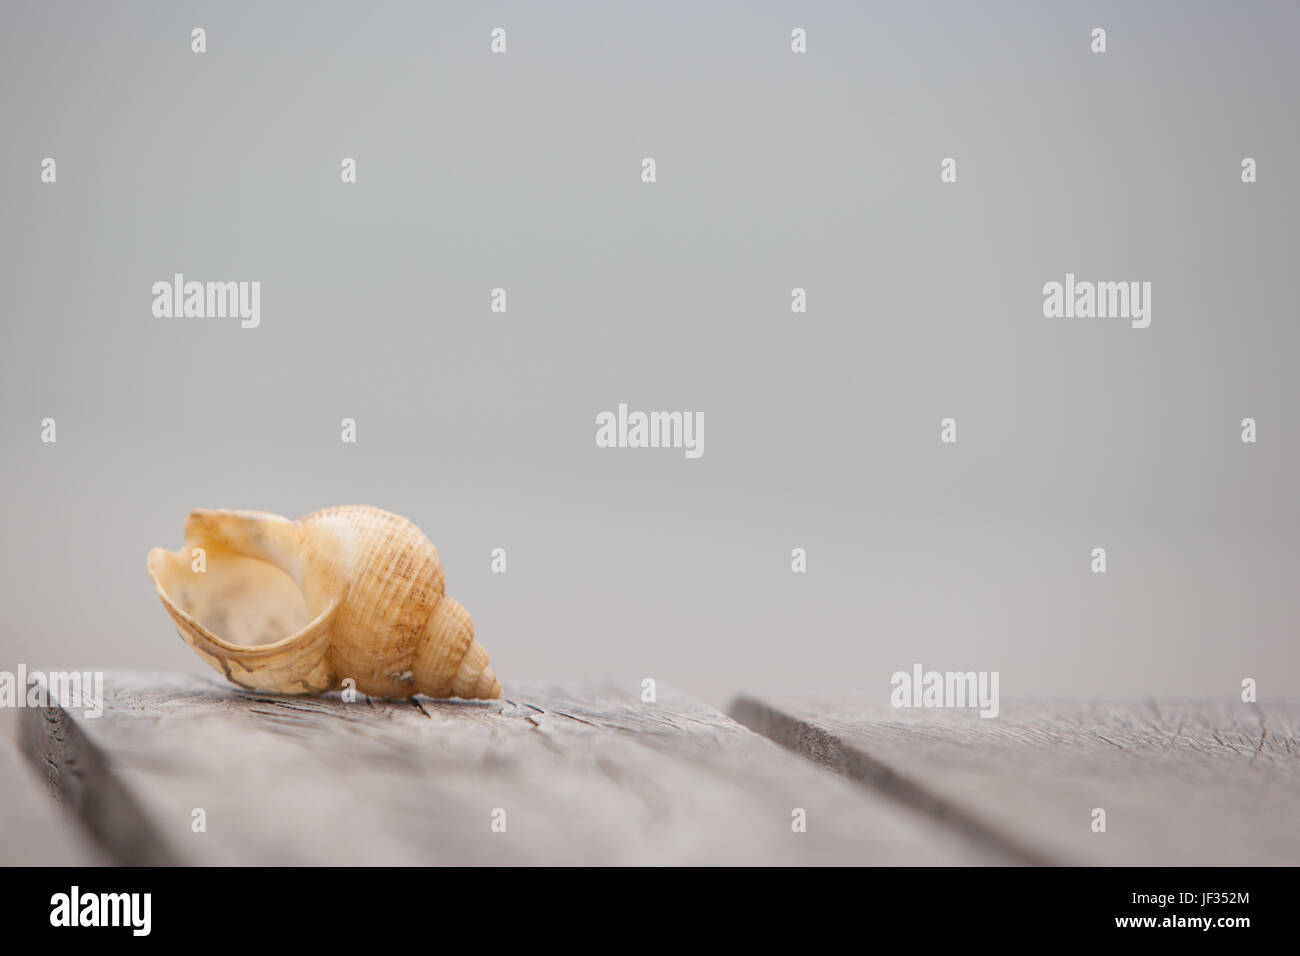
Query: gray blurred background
point(822, 430)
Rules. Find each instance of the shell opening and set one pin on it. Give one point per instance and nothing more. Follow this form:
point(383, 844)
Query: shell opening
point(242, 600)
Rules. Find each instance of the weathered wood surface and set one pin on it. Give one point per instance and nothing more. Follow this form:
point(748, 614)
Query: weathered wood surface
point(34, 829)
point(585, 776)
point(1214, 784)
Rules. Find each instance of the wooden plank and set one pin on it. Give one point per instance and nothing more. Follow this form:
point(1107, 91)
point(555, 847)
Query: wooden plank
point(1185, 784)
point(34, 829)
point(591, 775)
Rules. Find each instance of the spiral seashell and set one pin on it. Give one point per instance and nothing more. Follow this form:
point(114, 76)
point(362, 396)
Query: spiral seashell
point(297, 607)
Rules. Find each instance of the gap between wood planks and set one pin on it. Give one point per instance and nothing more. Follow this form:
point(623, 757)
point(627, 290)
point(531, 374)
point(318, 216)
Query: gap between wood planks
point(824, 749)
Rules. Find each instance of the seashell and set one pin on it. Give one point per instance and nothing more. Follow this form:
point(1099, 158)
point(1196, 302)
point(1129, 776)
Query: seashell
point(296, 607)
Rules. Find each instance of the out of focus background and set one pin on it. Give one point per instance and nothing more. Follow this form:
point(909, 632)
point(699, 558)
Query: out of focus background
point(775, 170)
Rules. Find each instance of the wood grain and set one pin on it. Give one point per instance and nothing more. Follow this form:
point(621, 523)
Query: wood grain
point(585, 775)
point(34, 829)
point(1213, 784)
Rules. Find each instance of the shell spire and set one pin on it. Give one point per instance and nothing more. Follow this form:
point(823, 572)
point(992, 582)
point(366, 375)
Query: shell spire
point(299, 607)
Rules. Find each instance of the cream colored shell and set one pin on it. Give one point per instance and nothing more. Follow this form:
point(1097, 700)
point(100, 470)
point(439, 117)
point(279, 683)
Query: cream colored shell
point(297, 607)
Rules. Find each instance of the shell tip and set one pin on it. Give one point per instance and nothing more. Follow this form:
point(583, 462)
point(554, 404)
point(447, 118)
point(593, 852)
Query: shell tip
point(489, 687)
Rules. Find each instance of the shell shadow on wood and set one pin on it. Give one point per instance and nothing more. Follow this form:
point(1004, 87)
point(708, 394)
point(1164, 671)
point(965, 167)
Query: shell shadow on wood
point(297, 607)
